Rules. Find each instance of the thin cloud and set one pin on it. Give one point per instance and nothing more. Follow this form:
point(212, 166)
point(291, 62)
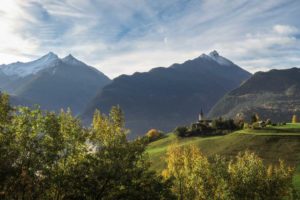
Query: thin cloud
point(125, 36)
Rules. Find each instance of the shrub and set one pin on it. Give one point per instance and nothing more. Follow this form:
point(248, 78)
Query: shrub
point(268, 122)
point(181, 131)
point(153, 134)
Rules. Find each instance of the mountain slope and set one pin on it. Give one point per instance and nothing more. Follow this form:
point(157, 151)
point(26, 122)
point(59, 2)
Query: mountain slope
point(53, 83)
point(164, 98)
point(274, 94)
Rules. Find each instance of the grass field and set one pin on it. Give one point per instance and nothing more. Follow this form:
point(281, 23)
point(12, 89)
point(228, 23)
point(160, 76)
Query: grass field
point(271, 144)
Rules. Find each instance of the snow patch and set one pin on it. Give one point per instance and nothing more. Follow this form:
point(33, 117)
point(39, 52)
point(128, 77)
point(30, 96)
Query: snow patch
point(24, 69)
point(71, 60)
point(219, 59)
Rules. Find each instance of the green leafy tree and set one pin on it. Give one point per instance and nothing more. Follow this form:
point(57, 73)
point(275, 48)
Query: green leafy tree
point(6, 139)
point(51, 156)
point(118, 168)
point(181, 131)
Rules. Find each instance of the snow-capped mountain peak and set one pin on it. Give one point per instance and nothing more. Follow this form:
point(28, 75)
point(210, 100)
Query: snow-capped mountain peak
point(215, 56)
point(214, 53)
point(50, 56)
point(219, 59)
point(21, 69)
point(72, 60)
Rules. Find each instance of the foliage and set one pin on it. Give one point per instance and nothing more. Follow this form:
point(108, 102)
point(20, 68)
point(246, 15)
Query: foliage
point(246, 126)
point(268, 122)
point(221, 124)
point(193, 174)
point(51, 156)
point(251, 179)
point(246, 177)
point(294, 119)
point(181, 131)
point(153, 135)
point(209, 128)
point(45, 155)
point(254, 118)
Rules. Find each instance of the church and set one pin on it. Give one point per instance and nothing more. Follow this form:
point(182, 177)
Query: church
point(202, 122)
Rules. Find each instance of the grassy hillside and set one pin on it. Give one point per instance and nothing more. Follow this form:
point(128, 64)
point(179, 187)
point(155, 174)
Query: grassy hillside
point(271, 144)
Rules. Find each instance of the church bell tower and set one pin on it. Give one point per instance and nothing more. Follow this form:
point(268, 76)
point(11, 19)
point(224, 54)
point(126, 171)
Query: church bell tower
point(201, 116)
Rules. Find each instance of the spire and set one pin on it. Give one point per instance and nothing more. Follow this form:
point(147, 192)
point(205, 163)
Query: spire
point(201, 115)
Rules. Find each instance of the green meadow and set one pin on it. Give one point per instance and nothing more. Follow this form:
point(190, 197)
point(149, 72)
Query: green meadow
point(271, 144)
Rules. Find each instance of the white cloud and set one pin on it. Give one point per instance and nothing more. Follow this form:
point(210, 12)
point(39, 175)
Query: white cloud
point(262, 51)
point(125, 36)
point(285, 29)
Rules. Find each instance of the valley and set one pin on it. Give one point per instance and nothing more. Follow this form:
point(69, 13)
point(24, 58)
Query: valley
point(150, 100)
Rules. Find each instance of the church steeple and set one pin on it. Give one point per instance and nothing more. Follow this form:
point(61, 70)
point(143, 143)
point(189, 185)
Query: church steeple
point(201, 115)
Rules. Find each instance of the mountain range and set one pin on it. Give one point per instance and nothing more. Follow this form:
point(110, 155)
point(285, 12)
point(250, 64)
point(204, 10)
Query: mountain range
point(164, 98)
point(272, 95)
point(52, 82)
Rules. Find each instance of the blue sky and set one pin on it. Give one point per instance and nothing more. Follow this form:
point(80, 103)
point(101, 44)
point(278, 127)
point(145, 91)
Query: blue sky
point(124, 36)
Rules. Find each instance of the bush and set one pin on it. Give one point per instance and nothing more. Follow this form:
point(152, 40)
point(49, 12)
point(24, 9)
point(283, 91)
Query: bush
point(268, 122)
point(228, 124)
point(255, 125)
point(246, 126)
point(153, 134)
point(181, 131)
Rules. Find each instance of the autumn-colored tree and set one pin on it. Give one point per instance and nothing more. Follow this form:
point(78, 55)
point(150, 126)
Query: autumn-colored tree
point(294, 119)
point(193, 174)
point(245, 177)
point(117, 167)
point(249, 178)
point(153, 134)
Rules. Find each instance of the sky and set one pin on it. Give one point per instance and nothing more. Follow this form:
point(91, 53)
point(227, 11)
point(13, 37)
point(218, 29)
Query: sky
point(124, 36)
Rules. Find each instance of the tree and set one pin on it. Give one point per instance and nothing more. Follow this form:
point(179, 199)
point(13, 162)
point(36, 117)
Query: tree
point(181, 131)
point(5, 110)
point(294, 119)
point(6, 139)
point(245, 177)
point(251, 179)
point(45, 155)
point(254, 118)
point(117, 168)
point(192, 174)
point(153, 134)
